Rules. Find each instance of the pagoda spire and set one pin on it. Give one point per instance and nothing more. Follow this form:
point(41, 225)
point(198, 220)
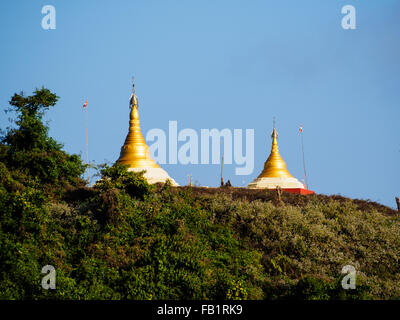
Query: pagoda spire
point(275, 167)
point(135, 153)
point(275, 174)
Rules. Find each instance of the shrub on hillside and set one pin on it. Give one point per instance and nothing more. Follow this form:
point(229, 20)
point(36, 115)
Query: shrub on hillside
point(118, 176)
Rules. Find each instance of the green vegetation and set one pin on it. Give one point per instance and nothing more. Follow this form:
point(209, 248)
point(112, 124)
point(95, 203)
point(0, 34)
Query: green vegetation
point(32, 157)
point(126, 239)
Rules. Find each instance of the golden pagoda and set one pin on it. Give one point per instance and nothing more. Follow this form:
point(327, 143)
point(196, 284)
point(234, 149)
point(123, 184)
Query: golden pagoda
point(275, 173)
point(135, 152)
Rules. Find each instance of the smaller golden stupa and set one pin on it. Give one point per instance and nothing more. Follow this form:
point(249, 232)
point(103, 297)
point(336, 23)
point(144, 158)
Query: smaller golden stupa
point(275, 173)
point(135, 152)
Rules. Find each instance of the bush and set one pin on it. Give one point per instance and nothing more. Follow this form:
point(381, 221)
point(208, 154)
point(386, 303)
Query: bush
point(119, 177)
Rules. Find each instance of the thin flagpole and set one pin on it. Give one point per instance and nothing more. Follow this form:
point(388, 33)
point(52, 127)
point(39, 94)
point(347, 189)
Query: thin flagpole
point(304, 162)
point(87, 145)
point(222, 168)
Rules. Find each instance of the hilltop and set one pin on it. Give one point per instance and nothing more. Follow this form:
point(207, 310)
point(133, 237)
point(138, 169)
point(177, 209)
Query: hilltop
point(125, 239)
point(288, 198)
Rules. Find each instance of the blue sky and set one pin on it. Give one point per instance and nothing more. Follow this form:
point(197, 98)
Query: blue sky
point(221, 64)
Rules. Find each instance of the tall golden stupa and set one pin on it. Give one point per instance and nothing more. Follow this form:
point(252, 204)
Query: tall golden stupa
point(135, 153)
point(275, 173)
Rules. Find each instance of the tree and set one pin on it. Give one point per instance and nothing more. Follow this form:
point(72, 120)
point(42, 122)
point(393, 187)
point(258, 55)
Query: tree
point(27, 148)
point(31, 133)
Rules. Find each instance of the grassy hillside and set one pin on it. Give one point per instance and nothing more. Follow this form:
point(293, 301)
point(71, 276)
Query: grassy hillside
point(126, 239)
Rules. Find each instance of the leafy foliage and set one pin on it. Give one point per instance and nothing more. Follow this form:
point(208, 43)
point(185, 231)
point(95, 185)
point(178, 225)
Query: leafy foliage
point(28, 149)
point(118, 177)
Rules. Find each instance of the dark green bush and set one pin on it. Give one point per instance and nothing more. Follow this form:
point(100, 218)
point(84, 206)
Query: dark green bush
point(120, 178)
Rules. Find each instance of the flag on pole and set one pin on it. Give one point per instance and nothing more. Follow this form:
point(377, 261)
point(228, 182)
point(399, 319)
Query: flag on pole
point(85, 105)
point(301, 128)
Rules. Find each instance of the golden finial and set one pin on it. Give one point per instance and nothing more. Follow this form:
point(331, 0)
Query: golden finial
point(275, 167)
point(133, 101)
point(135, 153)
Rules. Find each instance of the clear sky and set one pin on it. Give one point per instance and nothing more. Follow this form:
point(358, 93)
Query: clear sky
point(221, 64)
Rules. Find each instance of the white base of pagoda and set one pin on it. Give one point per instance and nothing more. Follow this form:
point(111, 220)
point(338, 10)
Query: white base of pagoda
point(155, 175)
point(272, 183)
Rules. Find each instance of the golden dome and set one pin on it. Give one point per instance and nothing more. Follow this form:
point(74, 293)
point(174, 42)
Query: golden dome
point(135, 152)
point(275, 167)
